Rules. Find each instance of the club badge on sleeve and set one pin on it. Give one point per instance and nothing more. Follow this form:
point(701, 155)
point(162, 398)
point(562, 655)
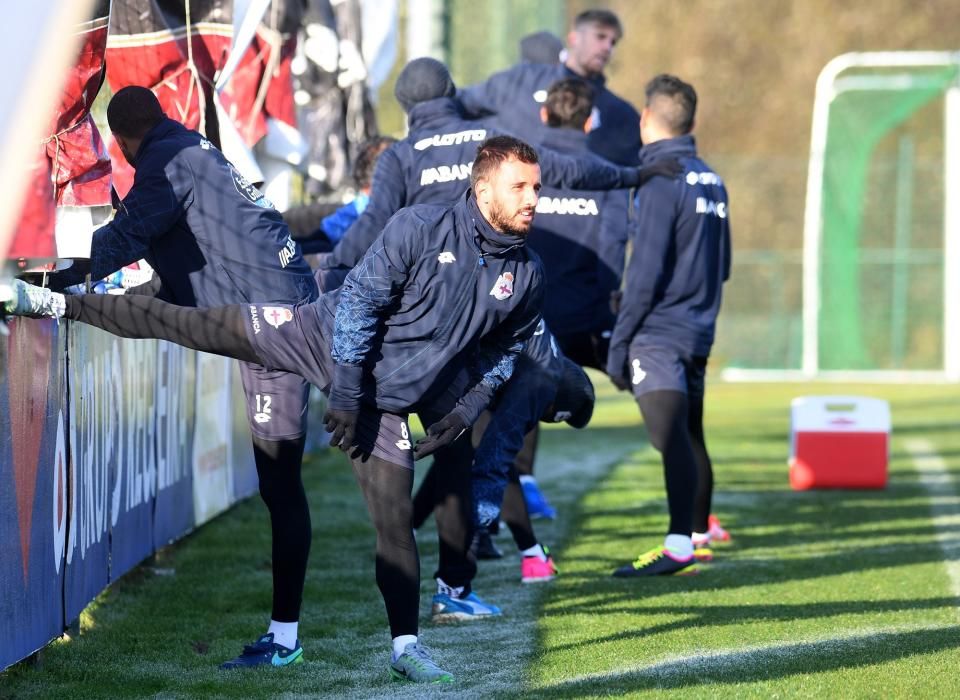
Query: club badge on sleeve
point(503, 287)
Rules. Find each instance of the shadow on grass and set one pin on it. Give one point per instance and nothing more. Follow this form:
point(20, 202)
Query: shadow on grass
point(780, 535)
point(764, 663)
point(925, 428)
point(743, 573)
point(723, 615)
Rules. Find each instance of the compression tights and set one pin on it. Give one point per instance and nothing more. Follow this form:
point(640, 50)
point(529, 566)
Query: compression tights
point(386, 489)
point(281, 488)
point(665, 414)
point(704, 495)
point(221, 330)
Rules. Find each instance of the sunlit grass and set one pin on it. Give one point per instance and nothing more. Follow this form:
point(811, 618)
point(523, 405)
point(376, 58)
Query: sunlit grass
point(821, 594)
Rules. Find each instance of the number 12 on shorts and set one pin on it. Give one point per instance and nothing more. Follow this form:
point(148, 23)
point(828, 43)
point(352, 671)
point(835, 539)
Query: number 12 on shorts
point(262, 413)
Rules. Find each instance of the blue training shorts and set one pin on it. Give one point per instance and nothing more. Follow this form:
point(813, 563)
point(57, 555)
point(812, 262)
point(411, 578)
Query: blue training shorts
point(660, 368)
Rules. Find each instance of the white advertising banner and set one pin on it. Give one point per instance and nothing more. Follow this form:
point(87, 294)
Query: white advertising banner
point(212, 450)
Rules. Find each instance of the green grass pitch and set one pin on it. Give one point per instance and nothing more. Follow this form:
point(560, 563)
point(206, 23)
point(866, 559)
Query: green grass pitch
point(820, 594)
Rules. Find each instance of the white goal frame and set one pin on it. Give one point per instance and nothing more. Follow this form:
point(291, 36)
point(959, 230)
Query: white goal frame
point(830, 84)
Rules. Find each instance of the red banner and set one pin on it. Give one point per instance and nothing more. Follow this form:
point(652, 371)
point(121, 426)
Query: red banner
point(262, 85)
point(79, 160)
point(72, 167)
point(33, 236)
point(154, 44)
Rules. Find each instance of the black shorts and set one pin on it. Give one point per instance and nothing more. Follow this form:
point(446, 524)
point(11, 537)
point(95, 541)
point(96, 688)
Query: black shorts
point(660, 368)
point(290, 339)
point(276, 402)
point(385, 435)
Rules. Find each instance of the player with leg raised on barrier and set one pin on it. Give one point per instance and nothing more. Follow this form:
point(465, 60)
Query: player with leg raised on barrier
point(431, 320)
point(214, 239)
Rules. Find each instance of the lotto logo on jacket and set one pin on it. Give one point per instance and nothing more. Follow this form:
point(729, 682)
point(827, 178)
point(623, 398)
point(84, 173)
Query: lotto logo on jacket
point(453, 139)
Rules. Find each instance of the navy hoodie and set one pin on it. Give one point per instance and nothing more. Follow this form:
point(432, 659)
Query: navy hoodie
point(432, 165)
point(516, 95)
point(438, 292)
point(210, 235)
point(580, 236)
point(680, 260)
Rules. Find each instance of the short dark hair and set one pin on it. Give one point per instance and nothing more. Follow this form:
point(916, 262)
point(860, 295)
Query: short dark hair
point(496, 150)
point(605, 18)
point(366, 161)
point(673, 101)
point(133, 111)
point(569, 103)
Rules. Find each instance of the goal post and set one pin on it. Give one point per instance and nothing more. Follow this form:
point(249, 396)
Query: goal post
point(881, 238)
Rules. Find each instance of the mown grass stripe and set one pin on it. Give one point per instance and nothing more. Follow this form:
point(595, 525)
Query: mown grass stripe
point(939, 484)
point(755, 662)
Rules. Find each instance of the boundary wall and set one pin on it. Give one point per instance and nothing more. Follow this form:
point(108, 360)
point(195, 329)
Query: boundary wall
point(109, 450)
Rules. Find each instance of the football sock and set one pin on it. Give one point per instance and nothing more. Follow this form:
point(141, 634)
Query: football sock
point(535, 551)
point(284, 633)
point(281, 488)
point(400, 643)
point(386, 489)
point(679, 544)
point(452, 591)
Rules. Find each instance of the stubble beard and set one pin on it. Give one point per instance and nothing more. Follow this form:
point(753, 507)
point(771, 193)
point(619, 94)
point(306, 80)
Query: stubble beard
point(500, 221)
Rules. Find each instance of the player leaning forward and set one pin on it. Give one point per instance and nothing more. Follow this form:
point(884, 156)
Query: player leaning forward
point(430, 321)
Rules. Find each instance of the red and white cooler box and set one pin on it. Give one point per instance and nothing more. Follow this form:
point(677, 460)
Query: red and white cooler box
point(839, 442)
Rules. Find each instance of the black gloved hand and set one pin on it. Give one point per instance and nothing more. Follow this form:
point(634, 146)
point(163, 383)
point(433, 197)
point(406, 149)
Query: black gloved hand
point(343, 425)
point(620, 381)
point(440, 434)
point(617, 370)
point(668, 168)
point(616, 297)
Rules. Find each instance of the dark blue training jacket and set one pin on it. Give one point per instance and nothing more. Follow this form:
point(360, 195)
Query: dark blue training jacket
point(547, 357)
point(211, 236)
point(516, 95)
point(680, 260)
point(432, 165)
point(440, 290)
point(580, 236)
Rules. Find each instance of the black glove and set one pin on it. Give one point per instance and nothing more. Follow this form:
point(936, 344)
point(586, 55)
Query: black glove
point(620, 381)
point(343, 425)
point(617, 370)
point(440, 434)
point(616, 296)
point(668, 168)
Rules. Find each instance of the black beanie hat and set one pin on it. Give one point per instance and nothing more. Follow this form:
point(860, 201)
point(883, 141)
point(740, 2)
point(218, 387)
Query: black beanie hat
point(541, 47)
point(575, 397)
point(423, 79)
